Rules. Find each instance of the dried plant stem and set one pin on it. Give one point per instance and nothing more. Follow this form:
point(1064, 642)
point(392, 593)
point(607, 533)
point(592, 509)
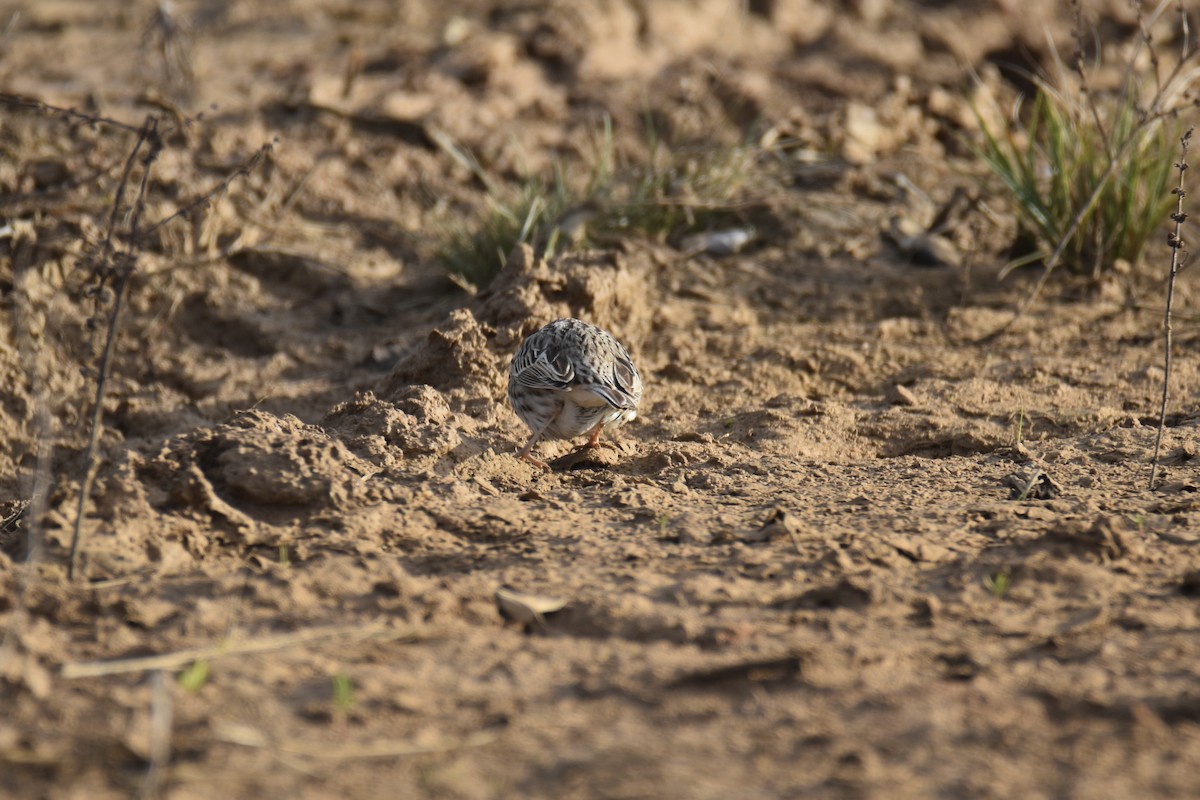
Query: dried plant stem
point(73, 115)
point(243, 170)
point(1085, 86)
point(113, 267)
point(89, 475)
point(122, 272)
point(1176, 244)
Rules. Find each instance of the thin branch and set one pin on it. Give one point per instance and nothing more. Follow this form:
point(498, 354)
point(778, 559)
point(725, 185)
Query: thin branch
point(148, 134)
point(91, 120)
point(1148, 39)
point(1175, 241)
point(114, 262)
point(244, 169)
point(58, 189)
point(1085, 87)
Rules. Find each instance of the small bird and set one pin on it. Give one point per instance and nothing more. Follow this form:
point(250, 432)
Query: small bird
point(571, 378)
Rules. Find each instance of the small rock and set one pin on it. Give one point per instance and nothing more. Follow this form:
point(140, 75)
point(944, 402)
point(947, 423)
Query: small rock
point(921, 551)
point(718, 243)
point(900, 395)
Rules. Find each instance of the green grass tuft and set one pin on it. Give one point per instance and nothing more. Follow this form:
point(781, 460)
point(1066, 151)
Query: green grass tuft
point(1099, 192)
point(675, 191)
point(1089, 171)
point(343, 693)
point(998, 583)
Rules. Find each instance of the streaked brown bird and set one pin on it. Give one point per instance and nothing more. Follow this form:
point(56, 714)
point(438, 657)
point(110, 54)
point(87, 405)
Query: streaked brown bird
point(571, 378)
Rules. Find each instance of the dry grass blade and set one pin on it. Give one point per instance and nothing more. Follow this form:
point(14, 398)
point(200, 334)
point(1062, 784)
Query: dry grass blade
point(377, 630)
point(247, 736)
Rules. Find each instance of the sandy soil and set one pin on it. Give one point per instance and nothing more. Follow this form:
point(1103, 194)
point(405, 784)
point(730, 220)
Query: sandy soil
point(801, 572)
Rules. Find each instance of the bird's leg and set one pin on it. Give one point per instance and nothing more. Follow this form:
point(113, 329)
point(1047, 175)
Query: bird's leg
point(594, 437)
point(525, 455)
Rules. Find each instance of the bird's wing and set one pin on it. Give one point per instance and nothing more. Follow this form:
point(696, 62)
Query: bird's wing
point(627, 379)
point(622, 390)
point(544, 368)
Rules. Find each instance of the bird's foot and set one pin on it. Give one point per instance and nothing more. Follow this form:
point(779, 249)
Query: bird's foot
point(535, 462)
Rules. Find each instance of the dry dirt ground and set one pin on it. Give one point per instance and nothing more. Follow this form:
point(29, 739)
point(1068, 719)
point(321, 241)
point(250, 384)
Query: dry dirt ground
point(800, 572)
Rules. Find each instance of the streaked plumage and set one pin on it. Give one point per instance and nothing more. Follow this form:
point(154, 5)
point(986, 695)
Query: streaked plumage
point(572, 378)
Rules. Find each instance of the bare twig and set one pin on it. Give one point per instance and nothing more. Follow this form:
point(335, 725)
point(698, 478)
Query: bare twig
point(1148, 39)
point(244, 169)
point(114, 270)
point(1175, 242)
point(120, 274)
point(90, 120)
point(1085, 87)
point(49, 192)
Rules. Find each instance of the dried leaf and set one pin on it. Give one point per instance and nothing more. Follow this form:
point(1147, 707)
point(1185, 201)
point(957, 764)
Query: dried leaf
point(527, 609)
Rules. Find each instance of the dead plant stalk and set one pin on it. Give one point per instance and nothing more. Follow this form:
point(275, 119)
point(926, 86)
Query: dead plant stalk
point(118, 269)
point(1175, 241)
point(122, 272)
